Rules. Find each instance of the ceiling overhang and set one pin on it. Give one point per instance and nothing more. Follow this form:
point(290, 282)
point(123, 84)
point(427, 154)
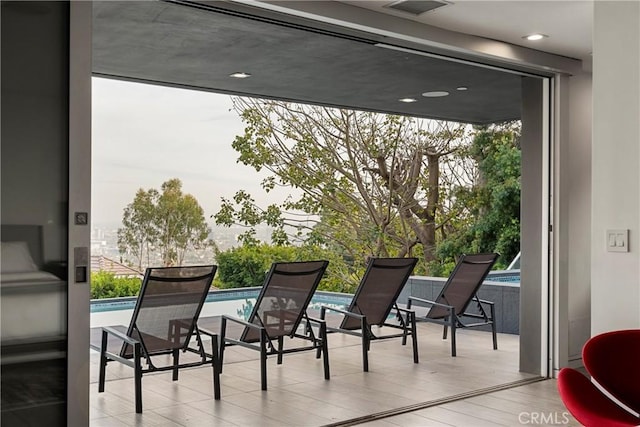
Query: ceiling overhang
point(199, 46)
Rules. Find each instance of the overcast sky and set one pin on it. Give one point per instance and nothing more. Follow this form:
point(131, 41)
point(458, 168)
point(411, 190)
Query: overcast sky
point(144, 135)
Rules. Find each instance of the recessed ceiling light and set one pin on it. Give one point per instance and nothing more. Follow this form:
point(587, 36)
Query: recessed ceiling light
point(461, 88)
point(535, 36)
point(408, 100)
point(240, 75)
point(435, 94)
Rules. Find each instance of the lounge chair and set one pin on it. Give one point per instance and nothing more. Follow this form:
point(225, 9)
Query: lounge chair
point(374, 299)
point(164, 322)
point(451, 306)
point(279, 311)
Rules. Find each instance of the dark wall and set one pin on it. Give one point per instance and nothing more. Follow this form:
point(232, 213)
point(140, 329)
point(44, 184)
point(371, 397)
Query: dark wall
point(34, 172)
point(35, 105)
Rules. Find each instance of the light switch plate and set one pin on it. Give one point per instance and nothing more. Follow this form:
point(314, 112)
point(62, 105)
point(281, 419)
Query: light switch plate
point(617, 241)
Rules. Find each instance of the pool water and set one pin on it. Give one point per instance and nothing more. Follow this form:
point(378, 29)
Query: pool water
point(505, 279)
point(236, 303)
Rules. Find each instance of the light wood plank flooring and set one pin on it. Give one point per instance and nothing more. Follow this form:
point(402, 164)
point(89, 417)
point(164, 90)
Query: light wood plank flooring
point(395, 392)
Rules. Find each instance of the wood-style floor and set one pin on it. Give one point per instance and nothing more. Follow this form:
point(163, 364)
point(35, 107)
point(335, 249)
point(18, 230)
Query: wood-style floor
point(395, 392)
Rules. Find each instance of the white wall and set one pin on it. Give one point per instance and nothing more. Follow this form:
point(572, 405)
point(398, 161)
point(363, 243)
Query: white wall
point(615, 277)
point(577, 167)
point(572, 220)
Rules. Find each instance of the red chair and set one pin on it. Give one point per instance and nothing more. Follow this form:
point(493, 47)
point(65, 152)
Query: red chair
point(588, 404)
point(613, 361)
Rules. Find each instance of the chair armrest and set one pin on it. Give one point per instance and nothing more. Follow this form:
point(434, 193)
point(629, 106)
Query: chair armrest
point(345, 312)
point(207, 332)
point(242, 322)
point(426, 301)
point(405, 310)
point(313, 319)
point(118, 334)
point(410, 299)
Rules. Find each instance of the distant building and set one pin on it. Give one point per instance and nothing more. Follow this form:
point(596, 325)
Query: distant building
point(102, 263)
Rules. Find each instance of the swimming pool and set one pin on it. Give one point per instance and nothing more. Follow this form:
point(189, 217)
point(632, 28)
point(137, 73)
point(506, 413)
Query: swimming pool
point(504, 279)
point(236, 302)
point(505, 276)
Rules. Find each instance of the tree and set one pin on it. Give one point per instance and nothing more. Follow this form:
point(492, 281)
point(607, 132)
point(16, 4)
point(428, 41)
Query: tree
point(180, 223)
point(138, 231)
point(492, 205)
point(171, 222)
point(371, 184)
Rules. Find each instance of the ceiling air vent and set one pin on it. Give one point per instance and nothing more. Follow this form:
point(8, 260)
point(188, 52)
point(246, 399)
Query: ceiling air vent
point(416, 7)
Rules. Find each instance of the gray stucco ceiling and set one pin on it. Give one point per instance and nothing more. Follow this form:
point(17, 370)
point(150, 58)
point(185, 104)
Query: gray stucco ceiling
point(182, 45)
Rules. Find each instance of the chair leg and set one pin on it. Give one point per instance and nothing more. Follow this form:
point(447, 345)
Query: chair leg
point(103, 362)
point(323, 312)
point(453, 334)
point(404, 338)
point(137, 355)
point(280, 345)
point(493, 327)
point(223, 330)
point(444, 332)
point(365, 346)
point(414, 336)
point(407, 324)
point(263, 360)
point(325, 350)
point(322, 340)
point(365, 351)
point(317, 341)
point(215, 364)
point(176, 362)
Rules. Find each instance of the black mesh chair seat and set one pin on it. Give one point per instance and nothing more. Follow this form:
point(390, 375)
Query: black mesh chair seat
point(452, 306)
point(280, 311)
point(373, 302)
point(164, 322)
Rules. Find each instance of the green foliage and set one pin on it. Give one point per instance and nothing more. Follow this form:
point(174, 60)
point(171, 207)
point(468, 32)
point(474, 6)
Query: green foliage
point(441, 268)
point(250, 215)
point(247, 265)
point(180, 222)
point(138, 231)
point(379, 185)
point(370, 183)
point(168, 222)
point(106, 285)
point(492, 206)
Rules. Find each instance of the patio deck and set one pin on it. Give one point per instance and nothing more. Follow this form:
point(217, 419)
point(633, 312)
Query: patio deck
point(435, 392)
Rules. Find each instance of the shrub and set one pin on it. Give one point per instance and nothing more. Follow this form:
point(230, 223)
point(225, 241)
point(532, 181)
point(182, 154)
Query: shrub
point(248, 265)
point(106, 285)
